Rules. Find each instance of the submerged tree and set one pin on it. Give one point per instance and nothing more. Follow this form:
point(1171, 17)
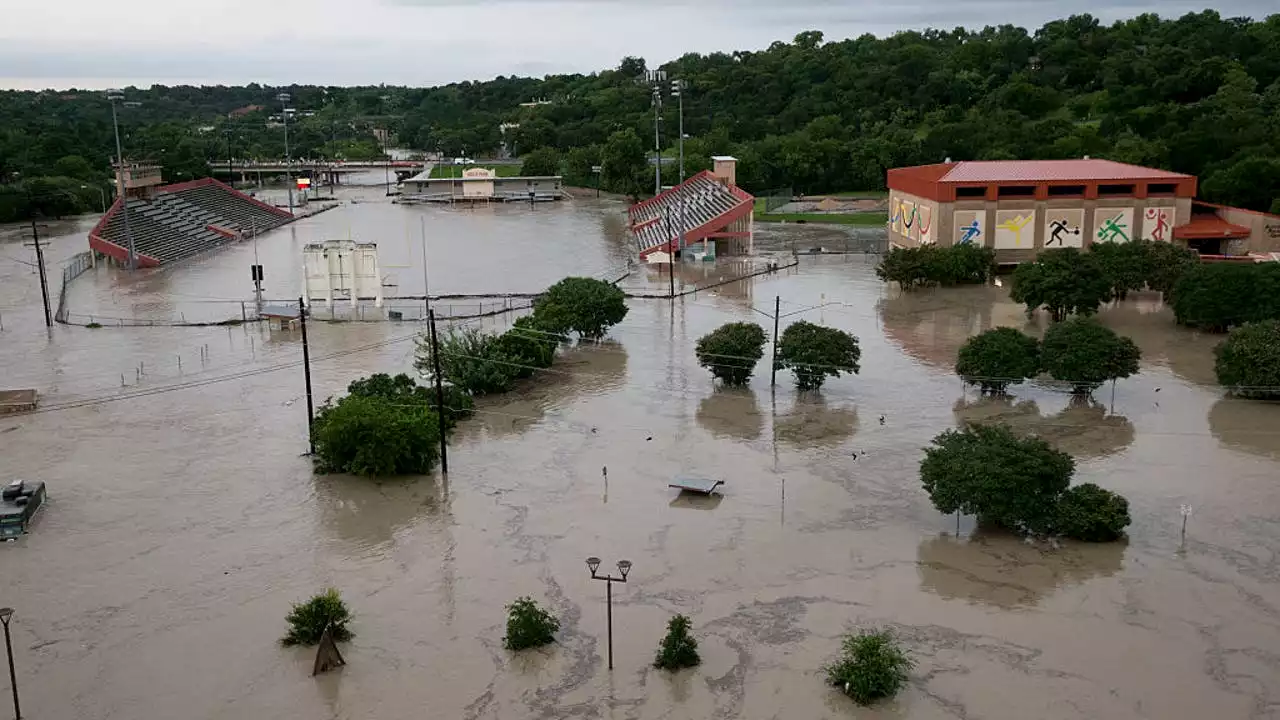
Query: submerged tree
point(472, 360)
point(308, 620)
point(1126, 265)
point(871, 666)
point(998, 358)
point(731, 351)
point(1248, 361)
point(529, 625)
point(1005, 480)
point(583, 305)
point(813, 352)
point(1090, 513)
point(678, 649)
point(371, 436)
point(1086, 354)
point(1063, 281)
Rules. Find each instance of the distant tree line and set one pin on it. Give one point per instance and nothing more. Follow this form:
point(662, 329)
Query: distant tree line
point(1197, 94)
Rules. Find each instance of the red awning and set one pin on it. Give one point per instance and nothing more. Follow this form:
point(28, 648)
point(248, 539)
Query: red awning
point(1208, 227)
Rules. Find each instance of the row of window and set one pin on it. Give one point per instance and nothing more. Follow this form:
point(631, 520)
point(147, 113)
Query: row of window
point(1063, 191)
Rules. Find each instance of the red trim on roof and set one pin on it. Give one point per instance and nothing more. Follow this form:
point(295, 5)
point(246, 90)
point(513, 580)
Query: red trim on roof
point(1092, 170)
point(1205, 227)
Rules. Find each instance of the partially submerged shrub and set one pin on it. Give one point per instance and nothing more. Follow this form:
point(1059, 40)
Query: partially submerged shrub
point(308, 620)
point(528, 625)
point(871, 666)
point(1090, 513)
point(678, 649)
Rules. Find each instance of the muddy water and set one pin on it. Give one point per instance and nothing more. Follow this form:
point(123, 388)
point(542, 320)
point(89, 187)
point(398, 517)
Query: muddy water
point(183, 523)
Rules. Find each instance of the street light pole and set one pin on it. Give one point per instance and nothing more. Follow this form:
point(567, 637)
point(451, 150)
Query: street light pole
point(288, 158)
point(624, 567)
point(677, 89)
point(231, 171)
point(657, 78)
point(5, 615)
point(121, 191)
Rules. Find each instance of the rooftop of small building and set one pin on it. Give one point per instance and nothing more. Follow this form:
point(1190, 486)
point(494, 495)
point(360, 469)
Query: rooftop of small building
point(1008, 171)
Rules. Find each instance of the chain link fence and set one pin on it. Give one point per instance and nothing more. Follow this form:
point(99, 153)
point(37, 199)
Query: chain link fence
point(771, 200)
point(75, 267)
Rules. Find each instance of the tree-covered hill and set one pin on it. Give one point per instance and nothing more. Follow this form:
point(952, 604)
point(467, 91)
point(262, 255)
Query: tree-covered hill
point(1197, 94)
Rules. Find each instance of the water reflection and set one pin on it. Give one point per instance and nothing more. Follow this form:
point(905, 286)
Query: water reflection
point(1249, 425)
point(930, 325)
point(585, 369)
point(731, 412)
point(811, 423)
point(1150, 324)
point(1006, 571)
point(1082, 428)
point(368, 513)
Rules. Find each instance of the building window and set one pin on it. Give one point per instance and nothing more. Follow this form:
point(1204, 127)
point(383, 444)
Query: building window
point(1162, 188)
point(1066, 191)
point(1017, 191)
point(1114, 190)
point(970, 193)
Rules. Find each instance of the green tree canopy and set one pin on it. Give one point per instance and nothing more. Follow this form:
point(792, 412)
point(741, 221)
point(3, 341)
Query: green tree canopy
point(1063, 281)
point(586, 306)
point(872, 666)
point(473, 360)
point(1086, 354)
point(678, 649)
point(370, 436)
point(1090, 513)
point(308, 620)
point(731, 351)
point(932, 265)
point(624, 166)
point(541, 162)
point(1126, 265)
point(814, 352)
point(1248, 361)
point(1219, 296)
point(998, 357)
point(1004, 480)
point(1166, 264)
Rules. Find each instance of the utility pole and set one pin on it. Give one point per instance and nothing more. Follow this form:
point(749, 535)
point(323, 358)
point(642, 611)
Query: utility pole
point(777, 311)
point(306, 373)
point(440, 408)
point(44, 283)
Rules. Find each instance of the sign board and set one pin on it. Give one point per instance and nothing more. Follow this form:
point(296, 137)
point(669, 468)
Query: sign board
point(304, 183)
point(597, 169)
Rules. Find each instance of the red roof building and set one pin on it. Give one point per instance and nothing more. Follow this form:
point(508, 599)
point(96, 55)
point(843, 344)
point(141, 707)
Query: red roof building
point(1021, 207)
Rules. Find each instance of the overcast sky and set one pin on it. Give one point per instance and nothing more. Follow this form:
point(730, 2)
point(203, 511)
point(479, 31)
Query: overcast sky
point(96, 44)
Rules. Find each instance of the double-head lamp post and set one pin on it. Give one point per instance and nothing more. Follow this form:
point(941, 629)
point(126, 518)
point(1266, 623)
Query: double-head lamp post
point(624, 567)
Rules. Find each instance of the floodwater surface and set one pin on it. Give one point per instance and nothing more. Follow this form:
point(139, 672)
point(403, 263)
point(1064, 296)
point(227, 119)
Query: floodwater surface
point(184, 519)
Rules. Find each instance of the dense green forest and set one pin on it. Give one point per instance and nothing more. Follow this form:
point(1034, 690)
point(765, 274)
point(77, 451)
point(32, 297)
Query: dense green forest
point(1197, 94)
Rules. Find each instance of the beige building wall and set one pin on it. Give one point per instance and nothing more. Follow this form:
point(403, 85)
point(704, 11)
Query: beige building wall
point(1264, 235)
point(913, 220)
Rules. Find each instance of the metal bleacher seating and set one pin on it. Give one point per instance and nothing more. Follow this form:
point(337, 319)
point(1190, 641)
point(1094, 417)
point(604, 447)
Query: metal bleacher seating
point(174, 223)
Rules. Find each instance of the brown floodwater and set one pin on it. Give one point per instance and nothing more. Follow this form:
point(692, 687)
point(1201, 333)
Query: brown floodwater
point(184, 519)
